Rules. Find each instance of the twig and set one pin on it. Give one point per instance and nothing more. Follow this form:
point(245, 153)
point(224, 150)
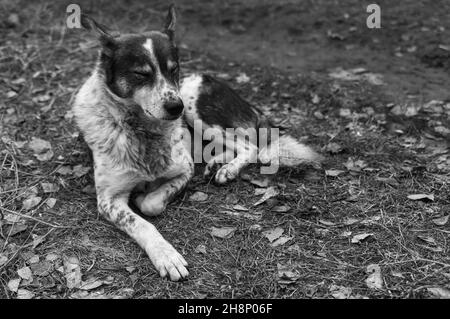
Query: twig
point(33, 218)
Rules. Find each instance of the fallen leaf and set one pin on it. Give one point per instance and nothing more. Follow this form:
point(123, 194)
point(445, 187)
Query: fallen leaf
point(273, 234)
point(242, 78)
point(17, 228)
point(287, 274)
point(439, 292)
point(3, 259)
point(72, 272)
point(42, 268)
point(326, 222)
point(334, 172)
point(427, 239)
point(31, 202)
point(200, 249)
point(260, 191)
point(80, 170)
point(375, 279)
point(421, 197)
point(240, 208)
point(350, 221)
point(198, 197)
point(52, 257)
point(255, 227)
point(441, 221)
point(46, 156)
point(360, 237)
point(269, 193)
point(224, 232)
point(50, 202)
point(333, 148)
point(281, 241)
point(49, 187)
point(24, 294)
point(13, 284)
point(25, 273)
point(340, 292)
point(91, 283)
point(64, 170)
point(260, 182)
point(281, 209)
point(38, 145)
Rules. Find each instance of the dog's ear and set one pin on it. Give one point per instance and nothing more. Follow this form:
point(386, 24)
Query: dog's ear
point(171, 21)
point(106, 39)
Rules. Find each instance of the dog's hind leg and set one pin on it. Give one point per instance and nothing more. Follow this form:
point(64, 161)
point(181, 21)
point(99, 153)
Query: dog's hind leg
point(247, 153)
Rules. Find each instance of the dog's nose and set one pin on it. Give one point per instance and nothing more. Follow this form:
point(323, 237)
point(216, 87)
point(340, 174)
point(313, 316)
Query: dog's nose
point(174, 108)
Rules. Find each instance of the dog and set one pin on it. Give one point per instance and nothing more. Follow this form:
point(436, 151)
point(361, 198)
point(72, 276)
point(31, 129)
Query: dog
point(132, 112)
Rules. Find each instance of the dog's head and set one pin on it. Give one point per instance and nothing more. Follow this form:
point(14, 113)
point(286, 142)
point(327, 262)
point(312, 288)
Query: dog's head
point(142, 68)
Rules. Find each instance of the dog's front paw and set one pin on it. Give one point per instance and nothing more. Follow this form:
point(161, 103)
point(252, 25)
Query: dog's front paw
point(151, 204)
point(226, 173)
point(167, 261)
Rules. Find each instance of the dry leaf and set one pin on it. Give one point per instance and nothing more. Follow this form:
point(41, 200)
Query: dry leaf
point(429, 240)
point(340, 292)
point(25, 273)
point(374, 280)
point(49, 187)
point(273, 234)
point(333, 148)
point(38, 145)
point(281, 209)
point(269, 193)
point(242, 78)
point(224, 232)
point(281, 241)
point(64, 170)
point(80, 170)
point(198, 197)
point(334, 172)
point(31, 202)
point(326, 222)
point(13, 284)
point(42, 268)
point(240, 208)
point(3, 259)
point(260, 182)
point(421, 197)
point(24, 294)
point(72, 272)
point(287, 274)
point(360, 237)
point(200, 249)
point(439, 292)
point(46, 156)
point(50, 202)
point(260, 191)
point(441, 221)
point(17, 228)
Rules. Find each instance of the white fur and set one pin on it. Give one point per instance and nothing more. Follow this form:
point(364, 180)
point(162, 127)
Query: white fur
point(189, 92)
point(289, 152)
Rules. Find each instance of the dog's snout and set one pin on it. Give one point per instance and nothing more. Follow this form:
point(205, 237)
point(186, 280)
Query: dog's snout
point(174, 107)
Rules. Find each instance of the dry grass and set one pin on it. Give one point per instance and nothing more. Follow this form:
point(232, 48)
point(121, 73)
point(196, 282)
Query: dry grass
point(53, 61)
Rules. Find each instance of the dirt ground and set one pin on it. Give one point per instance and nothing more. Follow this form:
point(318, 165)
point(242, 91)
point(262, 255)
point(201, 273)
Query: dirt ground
point(373, 223)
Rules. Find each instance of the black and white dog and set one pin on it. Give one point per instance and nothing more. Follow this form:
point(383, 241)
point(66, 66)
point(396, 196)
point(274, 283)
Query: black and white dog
point(131, 112)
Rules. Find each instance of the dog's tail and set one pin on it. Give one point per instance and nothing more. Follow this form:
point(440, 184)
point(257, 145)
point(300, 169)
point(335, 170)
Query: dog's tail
point(287, 151)
point(284, 149)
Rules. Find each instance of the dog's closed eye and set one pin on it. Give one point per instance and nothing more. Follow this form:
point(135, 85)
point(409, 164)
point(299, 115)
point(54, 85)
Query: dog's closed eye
point(142, 74)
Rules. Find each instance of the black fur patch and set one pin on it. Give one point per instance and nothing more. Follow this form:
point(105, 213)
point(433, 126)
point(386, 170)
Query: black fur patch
point(218, 104)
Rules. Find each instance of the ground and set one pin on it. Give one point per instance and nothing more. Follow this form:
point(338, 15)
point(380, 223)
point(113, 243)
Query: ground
point(374, 102)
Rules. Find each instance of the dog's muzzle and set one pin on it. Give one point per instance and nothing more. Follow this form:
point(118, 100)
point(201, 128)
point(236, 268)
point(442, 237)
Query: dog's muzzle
point(174, 108)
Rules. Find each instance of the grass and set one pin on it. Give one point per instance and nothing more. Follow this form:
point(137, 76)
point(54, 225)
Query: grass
point(45, 64)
